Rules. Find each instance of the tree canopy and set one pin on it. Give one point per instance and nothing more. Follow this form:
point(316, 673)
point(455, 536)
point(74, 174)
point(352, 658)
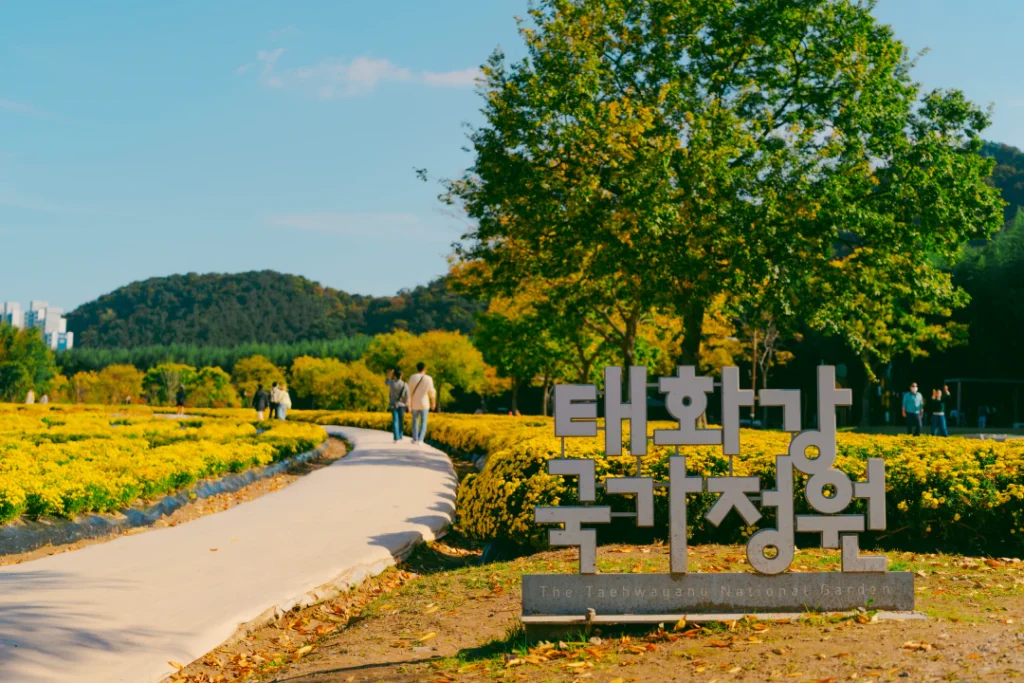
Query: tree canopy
point(257, 307)
point(656, 155)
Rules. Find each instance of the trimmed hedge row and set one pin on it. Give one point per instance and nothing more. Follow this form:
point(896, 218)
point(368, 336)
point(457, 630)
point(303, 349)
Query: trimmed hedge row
point(950, 493)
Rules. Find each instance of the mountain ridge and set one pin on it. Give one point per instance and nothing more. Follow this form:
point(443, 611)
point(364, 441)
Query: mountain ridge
point(223, 309)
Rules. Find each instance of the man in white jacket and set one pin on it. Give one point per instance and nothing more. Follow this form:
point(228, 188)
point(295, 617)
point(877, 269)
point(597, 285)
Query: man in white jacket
point(422, 399)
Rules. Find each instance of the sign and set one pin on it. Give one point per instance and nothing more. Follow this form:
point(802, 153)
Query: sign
point(863, 581)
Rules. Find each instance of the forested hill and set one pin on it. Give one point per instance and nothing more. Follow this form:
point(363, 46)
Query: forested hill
point(1008, 175)
point(260, 306)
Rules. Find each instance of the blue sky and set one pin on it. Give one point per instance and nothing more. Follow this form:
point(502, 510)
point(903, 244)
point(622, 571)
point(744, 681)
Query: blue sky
point(142, 139)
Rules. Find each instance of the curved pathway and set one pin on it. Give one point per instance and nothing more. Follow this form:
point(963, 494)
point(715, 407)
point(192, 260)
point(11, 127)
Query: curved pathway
point(118, 612)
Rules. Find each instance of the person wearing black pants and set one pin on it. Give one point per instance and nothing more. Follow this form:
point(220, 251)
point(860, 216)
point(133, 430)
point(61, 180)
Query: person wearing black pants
point(913, 410)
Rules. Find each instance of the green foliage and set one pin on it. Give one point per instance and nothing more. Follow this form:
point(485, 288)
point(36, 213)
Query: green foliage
point(1008, 175)
point(161, 383)
point(14, 381)
point(256, 307)
point(146, 357)
point(28, 363)
point(451, 359)
point(213, 389)
point(386, 351)
point(325, 383)
point(993, 275)
point(250, 372)
point(659, 154)
point(115, 383)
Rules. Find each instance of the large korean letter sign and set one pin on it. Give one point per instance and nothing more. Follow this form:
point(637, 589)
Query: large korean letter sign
point(829, 491)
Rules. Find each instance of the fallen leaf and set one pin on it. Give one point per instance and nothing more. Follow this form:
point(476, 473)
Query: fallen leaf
point(177, 665)
point(757, 626)
point(431, 609)
point(426, 637)
point(680, 625)
point(303, 650)
point(718, 643)
point(735, 669)
point(923, 647)
point(213, 550)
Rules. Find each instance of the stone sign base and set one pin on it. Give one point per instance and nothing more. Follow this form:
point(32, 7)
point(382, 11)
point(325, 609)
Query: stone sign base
point(638, 595)
point(551, 627)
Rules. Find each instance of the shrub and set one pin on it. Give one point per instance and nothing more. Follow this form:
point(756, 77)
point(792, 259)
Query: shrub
point(949, 493)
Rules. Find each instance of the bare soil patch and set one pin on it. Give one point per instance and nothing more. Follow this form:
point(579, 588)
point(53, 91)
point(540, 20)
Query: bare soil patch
point(199, 508)
point(441, 616)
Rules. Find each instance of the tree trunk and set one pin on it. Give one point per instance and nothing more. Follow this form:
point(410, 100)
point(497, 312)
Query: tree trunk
point(547, 389)
point(629, 340)
point(515, 395)
point(865, 403)
point(693, 331)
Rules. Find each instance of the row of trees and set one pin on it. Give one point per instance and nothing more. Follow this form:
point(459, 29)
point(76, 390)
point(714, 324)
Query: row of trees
point(146, 357)
point(459, 371)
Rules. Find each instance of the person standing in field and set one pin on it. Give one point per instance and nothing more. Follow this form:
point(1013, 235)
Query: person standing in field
point(398, 401)
point(284, 402)
point(30, 397)
point(180, 400)
point(260, 401)
point(913, 409)
point(937, 407)
point(422, 399)
point(275, 399)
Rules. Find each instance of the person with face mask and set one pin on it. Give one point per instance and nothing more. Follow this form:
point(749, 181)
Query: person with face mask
point(913, 410)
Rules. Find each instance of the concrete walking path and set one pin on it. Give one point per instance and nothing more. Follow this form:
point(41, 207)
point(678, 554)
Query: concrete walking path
point(118, 612)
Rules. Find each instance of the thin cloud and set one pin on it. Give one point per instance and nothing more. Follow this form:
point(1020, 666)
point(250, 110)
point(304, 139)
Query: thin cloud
point(466, 78)
point(360, 226)
point(19, 107)
point(335, 78)
point(282, 33)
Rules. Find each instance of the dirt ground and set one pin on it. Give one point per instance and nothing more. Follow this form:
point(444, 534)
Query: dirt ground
point(441, 616)
point(198, 508)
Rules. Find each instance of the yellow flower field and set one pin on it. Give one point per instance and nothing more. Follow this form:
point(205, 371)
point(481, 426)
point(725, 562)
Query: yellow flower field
point(63, 460)
point(949, 492)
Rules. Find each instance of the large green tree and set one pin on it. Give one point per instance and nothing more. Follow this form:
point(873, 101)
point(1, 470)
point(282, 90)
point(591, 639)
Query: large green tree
point(659, 153)
point(27, 363)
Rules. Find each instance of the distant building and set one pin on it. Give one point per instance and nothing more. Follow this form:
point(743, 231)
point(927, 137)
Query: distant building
point(50, 322)
point(10, 313)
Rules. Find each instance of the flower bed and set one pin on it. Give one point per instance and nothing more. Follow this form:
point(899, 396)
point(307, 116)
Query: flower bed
point(952, 493)
point(62, 461)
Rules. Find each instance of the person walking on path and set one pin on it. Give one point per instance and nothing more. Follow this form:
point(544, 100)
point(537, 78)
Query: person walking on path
point(260, 401)
point(284, 402)
point(422, 399)
point(937, 407)
point(30, 397)
point(913, 409)
point(398, 401)
point(179, 400)
point(275, 399)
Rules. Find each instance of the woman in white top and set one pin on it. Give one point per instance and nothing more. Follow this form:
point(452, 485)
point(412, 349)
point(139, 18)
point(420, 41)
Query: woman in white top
point(284, 402)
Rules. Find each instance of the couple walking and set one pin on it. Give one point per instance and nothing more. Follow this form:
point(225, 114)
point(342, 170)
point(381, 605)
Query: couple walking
point(278, 401)
point(417, 395)
point(914, 407)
